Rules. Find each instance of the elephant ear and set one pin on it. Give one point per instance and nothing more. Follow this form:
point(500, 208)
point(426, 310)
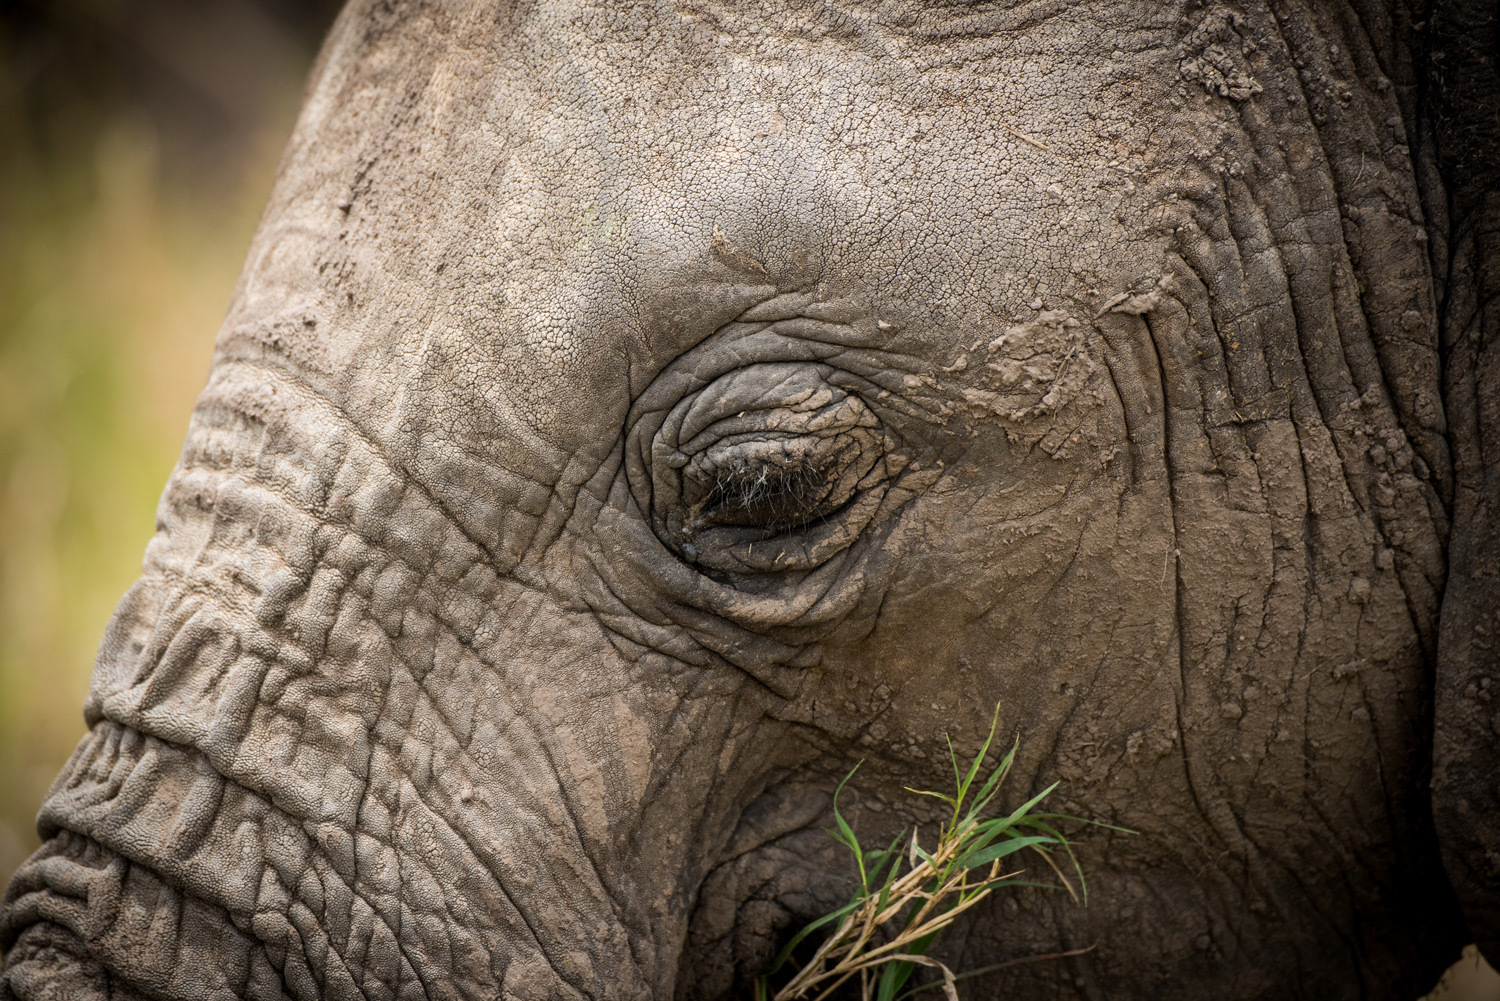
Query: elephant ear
point(1463, 112)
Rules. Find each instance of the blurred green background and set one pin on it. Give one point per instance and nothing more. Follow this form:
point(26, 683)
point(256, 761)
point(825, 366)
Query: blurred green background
point(138, 142)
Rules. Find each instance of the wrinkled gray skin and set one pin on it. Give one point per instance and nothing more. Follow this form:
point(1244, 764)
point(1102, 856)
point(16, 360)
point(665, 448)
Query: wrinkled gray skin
point(631, 415)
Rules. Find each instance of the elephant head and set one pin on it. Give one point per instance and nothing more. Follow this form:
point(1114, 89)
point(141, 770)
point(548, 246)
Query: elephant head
point(633, 414)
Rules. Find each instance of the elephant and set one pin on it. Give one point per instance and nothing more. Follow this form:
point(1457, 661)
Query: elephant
point(632, 415)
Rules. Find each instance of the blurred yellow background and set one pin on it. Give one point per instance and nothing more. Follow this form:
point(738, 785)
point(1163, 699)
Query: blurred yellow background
point(138, 142)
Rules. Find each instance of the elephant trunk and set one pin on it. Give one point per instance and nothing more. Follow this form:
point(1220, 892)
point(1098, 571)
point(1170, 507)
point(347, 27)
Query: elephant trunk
point(332, 748)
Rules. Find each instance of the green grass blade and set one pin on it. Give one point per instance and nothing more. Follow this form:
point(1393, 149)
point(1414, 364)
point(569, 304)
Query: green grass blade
point(892, 977)
point(1067, 846)
point(968, 780)
point(895, 974)
point(987, 831)
point(928, 792)
point(849, 840)
point(1032, 883)
point(991, 785)
point(797, 939)
point(1025, 808)
point(1010, 846)
point(969, 840)
point(1085, 821)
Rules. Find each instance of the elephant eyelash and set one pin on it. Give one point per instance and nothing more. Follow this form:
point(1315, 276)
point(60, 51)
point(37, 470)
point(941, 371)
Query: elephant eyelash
point(770, 495)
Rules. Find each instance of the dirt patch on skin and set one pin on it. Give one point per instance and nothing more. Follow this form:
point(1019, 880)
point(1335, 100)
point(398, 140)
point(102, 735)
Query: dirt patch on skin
point(1037, 378)
point(1034, 368)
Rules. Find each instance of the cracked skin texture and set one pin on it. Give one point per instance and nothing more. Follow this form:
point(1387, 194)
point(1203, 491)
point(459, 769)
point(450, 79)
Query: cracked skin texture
point(1084, 358)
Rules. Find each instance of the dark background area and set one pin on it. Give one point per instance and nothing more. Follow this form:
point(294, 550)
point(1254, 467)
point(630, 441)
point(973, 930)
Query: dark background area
point(204, 75)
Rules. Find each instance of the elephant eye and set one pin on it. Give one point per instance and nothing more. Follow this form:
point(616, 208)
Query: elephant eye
point(768, 467)
point(777, 493)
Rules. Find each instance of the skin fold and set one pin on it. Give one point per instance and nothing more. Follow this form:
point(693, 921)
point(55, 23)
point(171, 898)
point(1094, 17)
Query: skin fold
point(632, 415)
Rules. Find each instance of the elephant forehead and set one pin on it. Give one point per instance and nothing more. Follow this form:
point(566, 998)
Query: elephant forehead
point(968, 172)
point(493, 232)
point(572, 104)
point(557, 211)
